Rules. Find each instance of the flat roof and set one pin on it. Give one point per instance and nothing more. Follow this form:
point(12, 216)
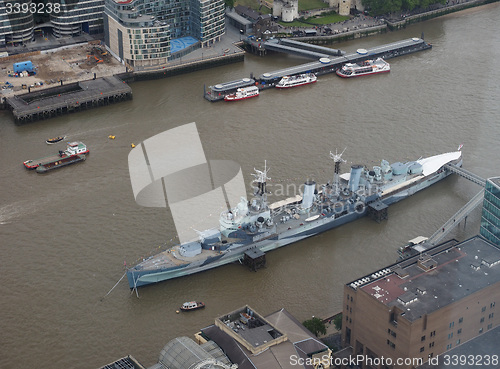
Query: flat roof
point(476, 353)
point(495, 181)
point(452, 278)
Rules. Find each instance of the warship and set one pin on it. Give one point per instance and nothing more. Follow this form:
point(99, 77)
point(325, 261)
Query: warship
point(256, 226)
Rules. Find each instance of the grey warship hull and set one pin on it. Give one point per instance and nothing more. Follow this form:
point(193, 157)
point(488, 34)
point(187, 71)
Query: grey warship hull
point(292, 222)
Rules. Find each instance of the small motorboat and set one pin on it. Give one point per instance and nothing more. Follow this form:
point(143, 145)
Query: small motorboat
point(192, 305)
point(54, 140)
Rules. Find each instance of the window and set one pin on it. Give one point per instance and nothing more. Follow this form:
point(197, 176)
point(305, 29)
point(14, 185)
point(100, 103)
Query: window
point(448, 346)
point(492, 305)
point(422, 349)
point(450, 335)
point(433, 333)
point(390, 343)
point(459, 331)
point(431, 344)
point(482, 320)
point(452, 324)
point(461, 320)
point(422, 339)
point(490, 316)
point(483, 309)
point(391, 332)
point(481, 331)
point(490, 326)
point(458, 342)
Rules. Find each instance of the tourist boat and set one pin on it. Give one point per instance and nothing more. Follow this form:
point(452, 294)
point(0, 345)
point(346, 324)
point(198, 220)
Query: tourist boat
point(75, 152)
point(364, 68)
point(243, 93)
point(54, 140)
point(192, 305)
point(297, 80)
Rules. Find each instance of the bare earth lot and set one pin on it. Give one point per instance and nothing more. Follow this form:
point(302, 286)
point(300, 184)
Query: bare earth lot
point(69, 65)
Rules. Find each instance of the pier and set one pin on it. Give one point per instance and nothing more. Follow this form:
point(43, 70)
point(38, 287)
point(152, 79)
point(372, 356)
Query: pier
point(324, 65)
point(68, 98)
point(458, 217)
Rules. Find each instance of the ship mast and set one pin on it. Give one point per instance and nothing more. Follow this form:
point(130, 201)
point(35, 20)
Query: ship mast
point(261, 179)
point(337, 159)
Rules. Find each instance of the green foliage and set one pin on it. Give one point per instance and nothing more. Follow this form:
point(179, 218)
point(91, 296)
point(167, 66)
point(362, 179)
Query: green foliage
point(311, 4)
point(315, 325)
point(327, 18)
point(229, 3)
point(337, 322)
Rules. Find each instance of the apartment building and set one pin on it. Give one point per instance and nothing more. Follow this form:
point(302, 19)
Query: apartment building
point(140, 32)
point(423, 306)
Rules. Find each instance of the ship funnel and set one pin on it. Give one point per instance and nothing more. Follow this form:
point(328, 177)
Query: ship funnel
point(354, 178)
point(308, 198)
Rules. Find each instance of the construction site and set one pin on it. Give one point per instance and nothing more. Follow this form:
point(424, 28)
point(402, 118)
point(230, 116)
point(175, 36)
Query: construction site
point(69, 64)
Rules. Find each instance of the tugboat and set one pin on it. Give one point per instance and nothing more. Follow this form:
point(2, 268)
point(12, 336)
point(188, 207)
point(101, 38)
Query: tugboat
point(75, 152)
point(243, 93)
point(54, 140)
point(192, 305)
point(297, 80)
point(364, 68)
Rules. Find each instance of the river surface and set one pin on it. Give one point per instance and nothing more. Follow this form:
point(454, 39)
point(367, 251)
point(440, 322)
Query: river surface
point(64, 236)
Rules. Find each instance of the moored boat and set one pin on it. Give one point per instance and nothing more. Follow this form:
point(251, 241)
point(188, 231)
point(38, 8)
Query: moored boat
point(75, 151)
point(192, 305)
point(54, 140)
point(364, 68)
point(297, 80)
point(249, 226)
point(243, 93)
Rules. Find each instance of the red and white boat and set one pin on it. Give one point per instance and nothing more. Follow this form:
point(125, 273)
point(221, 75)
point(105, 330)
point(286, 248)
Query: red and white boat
point(297, 80)
point(75, 151)
point(364, 68)
point(243, 93)
point(192, 305)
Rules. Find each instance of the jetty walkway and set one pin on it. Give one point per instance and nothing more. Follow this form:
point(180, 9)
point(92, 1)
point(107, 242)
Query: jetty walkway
point(325, 64)
point(68, 98)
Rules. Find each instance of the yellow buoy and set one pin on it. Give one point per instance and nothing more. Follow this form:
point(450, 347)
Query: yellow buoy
point(132, 145)
point(111, 137)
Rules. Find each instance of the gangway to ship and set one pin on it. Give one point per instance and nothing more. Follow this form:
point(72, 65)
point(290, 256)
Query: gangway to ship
point(466, 174)
point(460, 215)
point(456, 219)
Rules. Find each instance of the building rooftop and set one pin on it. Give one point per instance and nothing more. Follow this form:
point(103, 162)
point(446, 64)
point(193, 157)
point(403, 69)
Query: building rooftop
point(495, 181)
point(484, 347)
point(437, 278)
point(299, 343)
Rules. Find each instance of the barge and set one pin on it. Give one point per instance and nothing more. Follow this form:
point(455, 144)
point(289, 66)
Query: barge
point(75, 151)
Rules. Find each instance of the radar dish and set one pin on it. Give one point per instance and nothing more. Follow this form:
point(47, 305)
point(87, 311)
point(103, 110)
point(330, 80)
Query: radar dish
point(362, 51)
point(324, 60)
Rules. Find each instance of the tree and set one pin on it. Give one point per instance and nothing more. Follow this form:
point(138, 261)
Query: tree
point(315, 325)
point(337, 322)
point(229, 3)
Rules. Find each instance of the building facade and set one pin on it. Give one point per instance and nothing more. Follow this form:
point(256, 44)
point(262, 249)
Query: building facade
point(490, 217)
point(139, 32)
point(66, 18)
point(423, 306)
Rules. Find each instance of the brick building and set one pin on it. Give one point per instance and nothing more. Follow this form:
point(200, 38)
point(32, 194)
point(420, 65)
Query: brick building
point(423, 306)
